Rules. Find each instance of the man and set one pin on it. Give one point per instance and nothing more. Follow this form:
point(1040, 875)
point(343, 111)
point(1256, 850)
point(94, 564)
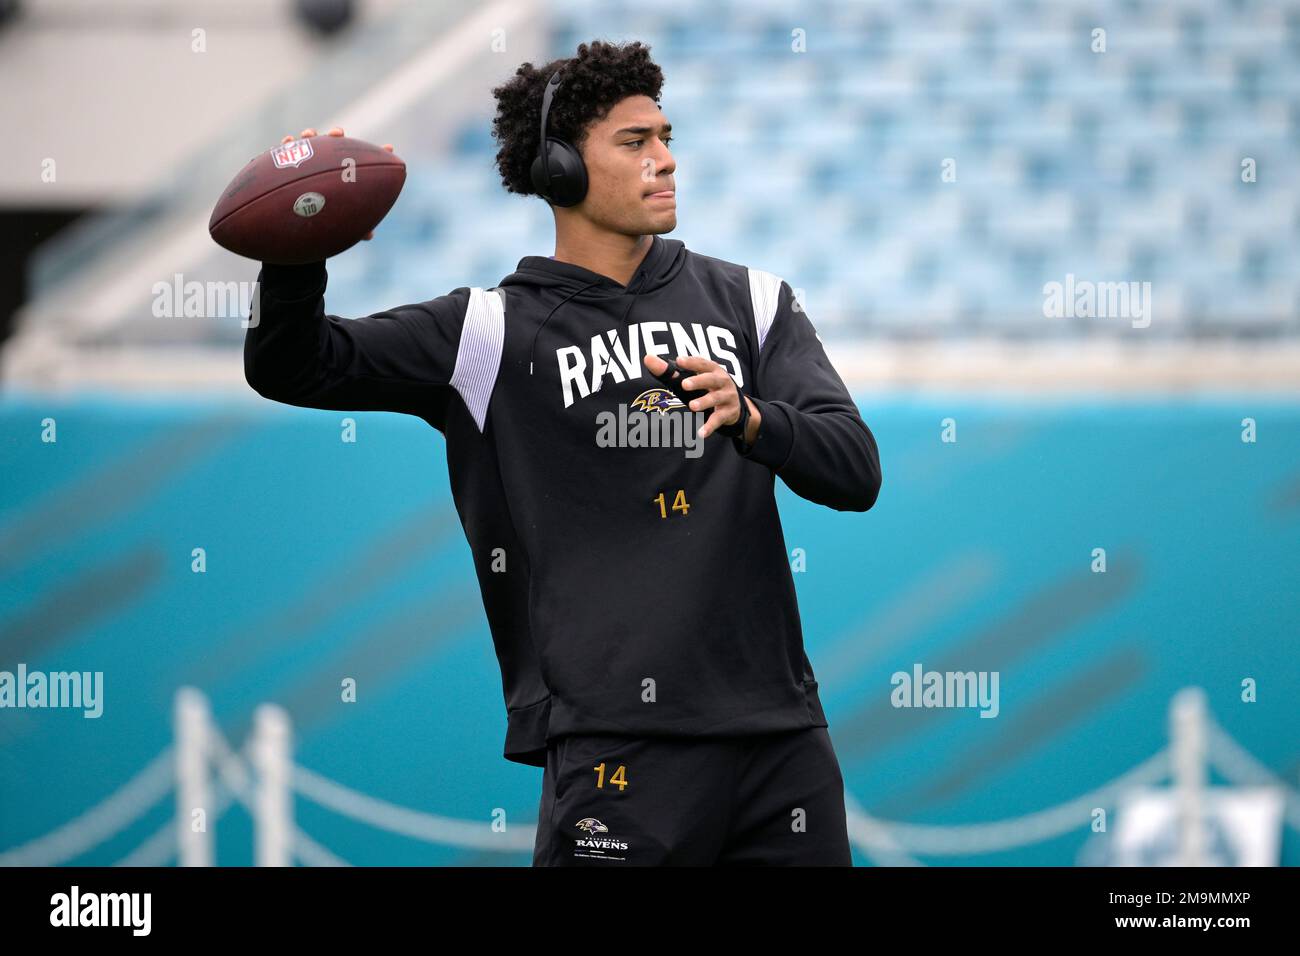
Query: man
point(628, 546)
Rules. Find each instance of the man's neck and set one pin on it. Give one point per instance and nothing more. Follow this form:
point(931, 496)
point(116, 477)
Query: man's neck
point(604, 253)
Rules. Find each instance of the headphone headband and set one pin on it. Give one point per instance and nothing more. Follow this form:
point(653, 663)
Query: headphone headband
point(552, 85)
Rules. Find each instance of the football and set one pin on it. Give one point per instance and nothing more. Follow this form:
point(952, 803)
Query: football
point(307, 200)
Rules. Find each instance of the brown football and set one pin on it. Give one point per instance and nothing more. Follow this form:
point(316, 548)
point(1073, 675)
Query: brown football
point(307, 200)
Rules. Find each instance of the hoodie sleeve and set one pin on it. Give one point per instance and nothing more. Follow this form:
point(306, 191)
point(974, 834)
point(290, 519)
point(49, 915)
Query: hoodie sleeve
point(811, 433)
point(397, 360)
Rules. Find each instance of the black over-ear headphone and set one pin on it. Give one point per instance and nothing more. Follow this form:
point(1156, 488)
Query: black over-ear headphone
point(558, 172)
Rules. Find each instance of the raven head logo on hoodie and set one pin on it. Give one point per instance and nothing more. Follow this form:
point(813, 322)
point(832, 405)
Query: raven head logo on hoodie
point(656, 399)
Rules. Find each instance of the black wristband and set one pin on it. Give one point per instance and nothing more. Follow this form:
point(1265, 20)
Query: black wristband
point(737, 428)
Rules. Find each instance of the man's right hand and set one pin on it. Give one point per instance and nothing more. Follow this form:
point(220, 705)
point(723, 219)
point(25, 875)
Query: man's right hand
point(336, 131)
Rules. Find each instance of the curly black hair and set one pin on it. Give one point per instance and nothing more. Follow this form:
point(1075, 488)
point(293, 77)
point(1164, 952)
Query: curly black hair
point(595, 80)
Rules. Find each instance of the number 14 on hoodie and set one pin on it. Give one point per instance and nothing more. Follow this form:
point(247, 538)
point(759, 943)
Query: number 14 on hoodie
point(679, 503)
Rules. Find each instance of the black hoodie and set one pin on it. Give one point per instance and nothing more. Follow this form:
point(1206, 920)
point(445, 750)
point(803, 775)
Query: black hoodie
point(632, 586)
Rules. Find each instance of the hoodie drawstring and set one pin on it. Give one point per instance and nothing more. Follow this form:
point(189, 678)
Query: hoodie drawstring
point(634, 289)
point(533, 350)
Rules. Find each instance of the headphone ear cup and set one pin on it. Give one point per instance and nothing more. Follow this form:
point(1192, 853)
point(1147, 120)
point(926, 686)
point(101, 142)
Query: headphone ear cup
point(568, 183)
point(535, 173)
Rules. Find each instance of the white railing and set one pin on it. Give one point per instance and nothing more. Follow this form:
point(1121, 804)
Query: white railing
point(264, 780)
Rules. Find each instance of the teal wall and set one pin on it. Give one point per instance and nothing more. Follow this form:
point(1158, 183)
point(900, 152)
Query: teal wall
point(327, 559)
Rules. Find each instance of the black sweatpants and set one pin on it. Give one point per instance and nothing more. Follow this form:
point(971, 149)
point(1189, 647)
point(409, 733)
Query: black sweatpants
point(772, 799)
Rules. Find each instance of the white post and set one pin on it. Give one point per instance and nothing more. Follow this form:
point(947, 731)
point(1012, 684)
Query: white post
point(273, 801)
point(190, 729)
point(1187, 744)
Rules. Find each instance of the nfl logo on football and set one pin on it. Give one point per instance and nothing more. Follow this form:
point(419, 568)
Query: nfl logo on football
point(291, 154)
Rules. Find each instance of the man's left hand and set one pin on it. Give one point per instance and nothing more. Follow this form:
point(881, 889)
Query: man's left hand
point(723, 396)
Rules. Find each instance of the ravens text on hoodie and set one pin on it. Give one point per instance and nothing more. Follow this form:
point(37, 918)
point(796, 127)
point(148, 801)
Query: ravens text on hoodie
point(633, 584)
